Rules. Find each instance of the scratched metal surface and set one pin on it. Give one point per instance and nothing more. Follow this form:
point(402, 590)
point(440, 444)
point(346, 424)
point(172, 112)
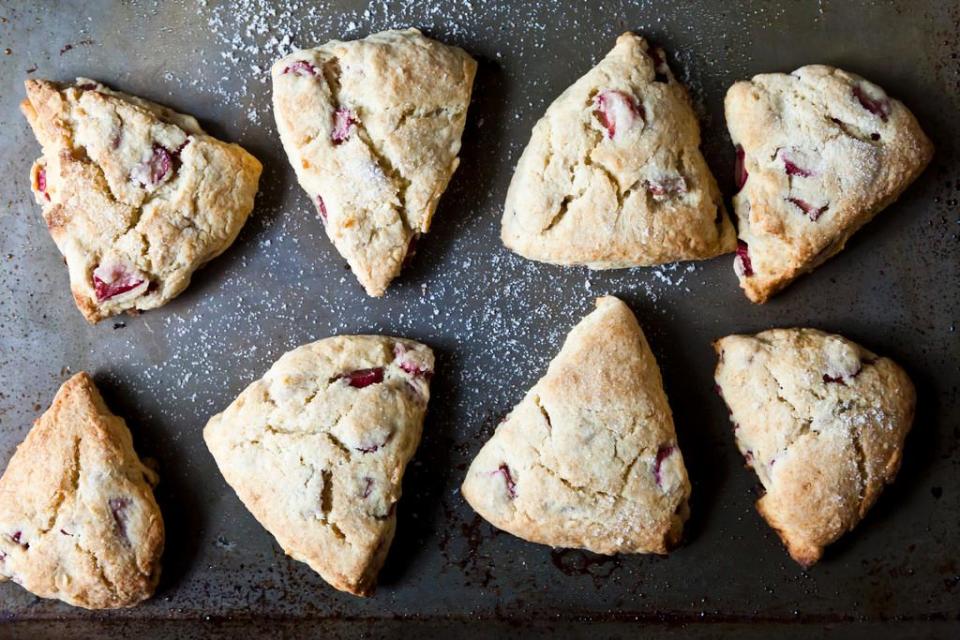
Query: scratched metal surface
point(495, 320)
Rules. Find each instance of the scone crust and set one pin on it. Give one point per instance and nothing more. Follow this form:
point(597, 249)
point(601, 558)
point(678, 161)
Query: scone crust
point(318, 460)
point(822, 421)
point(372, 129)
point(132, 189)
point(589, 458)
point(819, 165)
point(589, 191)
point(78, 520)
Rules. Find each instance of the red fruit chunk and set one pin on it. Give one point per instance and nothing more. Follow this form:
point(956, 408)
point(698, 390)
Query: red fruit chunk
point(112, 281)
point(409, 366)
point(667, 187)
point(792, 168)
point(742, 259)
point(301, 68)
point(367, 487)
point(322, 209)
point(153, 171)
point(118, 507)
point(42, 183)
point(878, 107)
point(616, 111)
point(344, 121)
point(16, 538)
point(363, 377)
point(664, 452)
point(839, 379)
point(739, 169)
point(504, 470)
point(809, 209)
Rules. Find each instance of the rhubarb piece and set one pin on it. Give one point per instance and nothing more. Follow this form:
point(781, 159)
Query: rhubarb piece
point(85, 526)
point(136, 196)
point(613, 176)
point(829, 419)
point(825, 151)
point(617, 110)
point(589, 457)
point(377, 132)
point(316, 450)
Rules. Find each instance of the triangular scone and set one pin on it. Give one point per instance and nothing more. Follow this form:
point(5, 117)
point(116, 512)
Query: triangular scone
point(819, 153)
point(589, 458)
point(822, 422)
point(316, 449)
point(613, 175)
point(136, 196)
point(78, 520)
point(372, 128)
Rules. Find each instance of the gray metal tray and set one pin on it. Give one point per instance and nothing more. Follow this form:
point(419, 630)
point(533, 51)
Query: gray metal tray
point(494, 320)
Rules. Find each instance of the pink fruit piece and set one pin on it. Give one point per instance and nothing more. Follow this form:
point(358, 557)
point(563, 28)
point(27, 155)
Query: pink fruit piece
point(739, 169)
point(742, 264)
point(153, 171)
point(42, 183)
point(878, 107)
point(301, 68)
point(118, 507)
point(792, 168)
point(409, 366)
point(322, 209)
point(504, 470)
point(363, 377)
point(809, 209)
point(367, 487)
point(109, 282)
point(839, 379)
point(616, 111)
point(344, 121)
point(373, 448)
point(663, 452)
point(16, 538)
point(748, 457)
point(667, 187)
point(87, 86)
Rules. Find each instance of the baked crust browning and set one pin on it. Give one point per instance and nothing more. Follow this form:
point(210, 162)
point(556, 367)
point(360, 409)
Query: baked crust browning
point(78, 520)
point(136, 196)
point(316, 450)
point(613, 176)
point(589, 458)
point(822, 422)
point(372, 129)
point(820, 152)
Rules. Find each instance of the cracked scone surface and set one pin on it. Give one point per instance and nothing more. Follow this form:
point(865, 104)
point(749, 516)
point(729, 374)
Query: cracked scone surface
point(135, 195)
point(819, 152)
point(78, 520)
point(613, 175)
point(316, 449)
point(372, 128)
point(822, 421)
point(589, 458)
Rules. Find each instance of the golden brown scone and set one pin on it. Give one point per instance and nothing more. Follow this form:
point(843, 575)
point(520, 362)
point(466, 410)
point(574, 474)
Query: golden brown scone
point(589, 458)
point(819, 153)
point(78, 520)
point(613, 176)
point(136, 196)
point(822, 422)
point(316, 450)
point(372, 128)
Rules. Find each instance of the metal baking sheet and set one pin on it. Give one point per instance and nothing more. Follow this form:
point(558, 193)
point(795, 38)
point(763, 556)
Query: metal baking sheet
point(495, 320)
